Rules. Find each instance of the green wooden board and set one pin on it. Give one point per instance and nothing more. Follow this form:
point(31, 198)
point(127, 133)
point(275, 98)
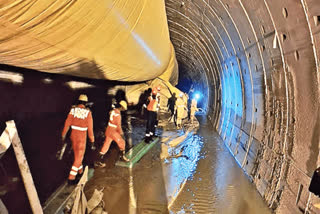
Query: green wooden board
point(136, 153)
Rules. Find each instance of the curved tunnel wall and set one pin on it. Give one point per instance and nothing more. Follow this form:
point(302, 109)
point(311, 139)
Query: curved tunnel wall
point(261, 62)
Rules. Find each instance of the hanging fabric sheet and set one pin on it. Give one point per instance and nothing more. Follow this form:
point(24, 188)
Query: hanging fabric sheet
point(125, 40)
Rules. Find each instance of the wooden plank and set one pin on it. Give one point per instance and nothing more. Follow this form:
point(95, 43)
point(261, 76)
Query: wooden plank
point(136, 153)
point(58, 200)
point(24, 168)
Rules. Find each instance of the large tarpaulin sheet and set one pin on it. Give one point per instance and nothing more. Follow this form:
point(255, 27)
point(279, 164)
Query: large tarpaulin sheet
point(125, 40)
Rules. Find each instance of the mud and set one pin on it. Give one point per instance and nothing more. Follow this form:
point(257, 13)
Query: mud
point(150, 187)
point(218, 185)
point(197, 176)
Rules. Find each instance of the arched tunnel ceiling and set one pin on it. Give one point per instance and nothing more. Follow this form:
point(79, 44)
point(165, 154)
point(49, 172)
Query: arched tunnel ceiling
point(261, 59)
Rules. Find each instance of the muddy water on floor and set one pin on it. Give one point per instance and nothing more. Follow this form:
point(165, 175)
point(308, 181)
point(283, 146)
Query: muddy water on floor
point(215, 183)
point(218, 185)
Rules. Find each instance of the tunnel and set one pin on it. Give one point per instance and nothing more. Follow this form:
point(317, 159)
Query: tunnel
point(260, 62)
point(256, 65)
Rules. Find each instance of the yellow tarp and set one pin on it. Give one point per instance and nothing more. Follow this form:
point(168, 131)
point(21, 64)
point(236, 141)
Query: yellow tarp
point(126, 40)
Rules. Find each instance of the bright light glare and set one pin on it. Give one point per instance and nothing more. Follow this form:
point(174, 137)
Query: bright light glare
point(15, 78)
point(197, 96)
point(78, 85)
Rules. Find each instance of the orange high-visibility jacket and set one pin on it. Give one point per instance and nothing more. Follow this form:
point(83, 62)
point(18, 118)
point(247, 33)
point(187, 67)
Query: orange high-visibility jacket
point(79, 118)
point(115, 120)
point(153, 104)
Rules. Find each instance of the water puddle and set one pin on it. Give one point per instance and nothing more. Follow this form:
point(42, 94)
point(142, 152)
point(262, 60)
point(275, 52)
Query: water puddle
point(217, 185)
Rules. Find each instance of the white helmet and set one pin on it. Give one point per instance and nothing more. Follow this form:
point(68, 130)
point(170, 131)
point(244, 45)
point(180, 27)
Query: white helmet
point(83, 98)
point(123, 104)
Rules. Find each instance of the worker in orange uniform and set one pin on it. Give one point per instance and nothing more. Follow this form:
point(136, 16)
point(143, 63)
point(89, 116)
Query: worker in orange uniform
point(152, 109)
point(80, 120)
point(114, 133)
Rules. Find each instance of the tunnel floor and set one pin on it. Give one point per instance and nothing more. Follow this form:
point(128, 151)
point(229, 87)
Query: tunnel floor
point(218, 184)
point(203, 178)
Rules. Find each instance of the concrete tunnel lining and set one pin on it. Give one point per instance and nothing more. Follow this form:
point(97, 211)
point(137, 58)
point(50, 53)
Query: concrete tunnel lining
point(261, 59)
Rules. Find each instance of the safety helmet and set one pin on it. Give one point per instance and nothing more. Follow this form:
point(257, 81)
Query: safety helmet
point(123, 104)
point(154, 91)
point(181, 94)
point(83, 98)
point(158, 87)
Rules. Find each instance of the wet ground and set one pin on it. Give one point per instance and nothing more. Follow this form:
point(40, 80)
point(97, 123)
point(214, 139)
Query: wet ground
point(196, 176)
point(218, 184)
point(39, 107)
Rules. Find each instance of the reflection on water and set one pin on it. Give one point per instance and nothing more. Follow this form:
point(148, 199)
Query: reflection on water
point(190, 173)
point(180, 165)
point(217, 185)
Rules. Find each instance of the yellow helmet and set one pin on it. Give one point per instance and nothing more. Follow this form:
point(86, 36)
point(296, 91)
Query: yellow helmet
point(123, 104)
point(83, 98)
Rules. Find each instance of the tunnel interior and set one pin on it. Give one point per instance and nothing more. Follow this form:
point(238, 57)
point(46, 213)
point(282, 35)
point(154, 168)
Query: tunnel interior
point(195, 86)
point(259, 61)
point(255, 64)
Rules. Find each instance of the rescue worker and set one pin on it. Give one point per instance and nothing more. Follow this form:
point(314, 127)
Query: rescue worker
point(171, 106)
point(158, 107)
point(80, 120)
point(142, 100)
point(181, 108)
point(185, 98)
point(193, 109)
point(158, 93)
point(114, 133)
point(152, 108)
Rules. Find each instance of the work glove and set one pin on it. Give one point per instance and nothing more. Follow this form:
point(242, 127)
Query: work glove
point(93, 147)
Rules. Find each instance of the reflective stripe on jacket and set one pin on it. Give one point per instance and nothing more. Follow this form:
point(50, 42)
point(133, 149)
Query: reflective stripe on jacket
point(115, 120)
point(153, 104)
point(80, 119)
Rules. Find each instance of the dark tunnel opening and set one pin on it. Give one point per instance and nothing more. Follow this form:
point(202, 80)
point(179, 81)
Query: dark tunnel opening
point(196, 87)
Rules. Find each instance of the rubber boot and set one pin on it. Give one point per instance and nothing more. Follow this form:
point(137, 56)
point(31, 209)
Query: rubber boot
point(123, 157)
point(147, 139)
point(100, 162)
point(72, 182)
